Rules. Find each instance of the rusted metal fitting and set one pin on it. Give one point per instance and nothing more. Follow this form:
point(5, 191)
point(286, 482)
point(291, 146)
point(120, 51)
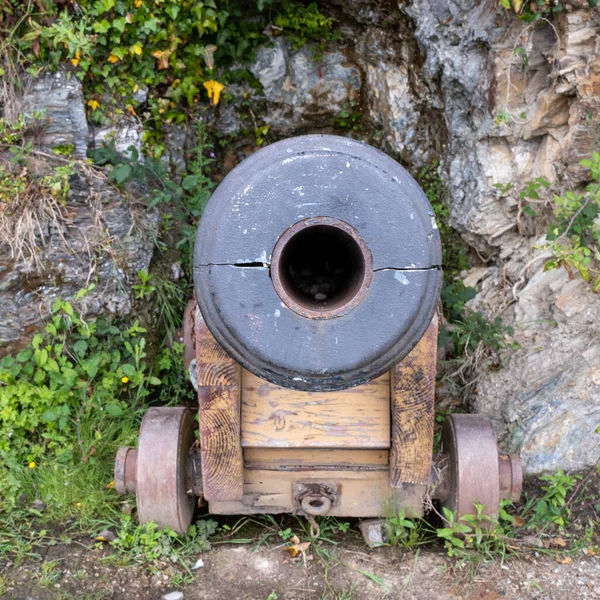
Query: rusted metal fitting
point(316, 505)
point(510, 476)
point(315, 498)
point(125, 471)
point(321, 242)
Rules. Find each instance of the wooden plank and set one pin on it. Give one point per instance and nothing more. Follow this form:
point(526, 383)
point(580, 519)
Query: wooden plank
point(219, 392)
point(302, 459)
point(363, 494)
point(413, 413)
point(273, 416)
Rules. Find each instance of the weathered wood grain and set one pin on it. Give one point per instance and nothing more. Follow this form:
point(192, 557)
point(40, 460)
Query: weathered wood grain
point(273, 416)
point(303, 459)
point(363, 494)
point(219, 392)
point(412, 403)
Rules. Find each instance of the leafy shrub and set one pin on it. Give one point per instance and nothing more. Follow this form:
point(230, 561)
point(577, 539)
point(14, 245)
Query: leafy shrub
point(168, 49)
point(552, 506)
point(72, 371)
point(574, 235)
point(148, 543)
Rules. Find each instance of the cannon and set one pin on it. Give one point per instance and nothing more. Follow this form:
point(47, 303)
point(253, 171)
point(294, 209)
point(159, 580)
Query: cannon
point(311, 342)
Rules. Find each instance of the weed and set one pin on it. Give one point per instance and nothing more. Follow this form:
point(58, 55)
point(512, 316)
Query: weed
point(477, 537)
point(574, 235)
point(144, 288)
point(552, 507)
point(33, 191)
point(303, 23)
point(49, 573)
point(149, 545)
point(183, 200)
point(349, 117)
point(402, 531)
point(535, 11)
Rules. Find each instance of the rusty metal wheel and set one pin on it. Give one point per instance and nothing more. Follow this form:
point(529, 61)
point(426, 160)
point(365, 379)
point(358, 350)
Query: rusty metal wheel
point(470, 443)
point(166, 437)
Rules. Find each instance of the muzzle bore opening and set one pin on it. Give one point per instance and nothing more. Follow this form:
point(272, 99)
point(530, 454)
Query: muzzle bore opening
point(321, 267)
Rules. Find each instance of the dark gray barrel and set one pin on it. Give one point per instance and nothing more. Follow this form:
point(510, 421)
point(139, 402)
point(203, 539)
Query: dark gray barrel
point(317, 263)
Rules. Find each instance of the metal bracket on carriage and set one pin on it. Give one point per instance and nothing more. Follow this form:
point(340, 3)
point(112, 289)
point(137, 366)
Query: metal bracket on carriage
point(315, 498)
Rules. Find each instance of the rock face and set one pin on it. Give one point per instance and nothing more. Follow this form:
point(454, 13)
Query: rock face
point(64, 120)
point(372, 74)
point(521, 102)
point(303, 92)
point(98, 237)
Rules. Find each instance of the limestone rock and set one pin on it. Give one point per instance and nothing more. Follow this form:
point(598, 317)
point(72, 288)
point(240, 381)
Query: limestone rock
point(512, 116)
point(64, 121)
point(300, 90)
point(98, 237)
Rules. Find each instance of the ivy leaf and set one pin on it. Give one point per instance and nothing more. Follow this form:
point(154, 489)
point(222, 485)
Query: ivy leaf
point(101, 26)
point(173, 10)
point(119, 24)
point(121, 173)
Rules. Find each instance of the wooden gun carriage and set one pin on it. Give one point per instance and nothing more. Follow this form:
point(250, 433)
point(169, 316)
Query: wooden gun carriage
point(312, 344)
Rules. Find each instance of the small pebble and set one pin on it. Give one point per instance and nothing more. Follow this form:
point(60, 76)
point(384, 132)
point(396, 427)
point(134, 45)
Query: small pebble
point(173, 596)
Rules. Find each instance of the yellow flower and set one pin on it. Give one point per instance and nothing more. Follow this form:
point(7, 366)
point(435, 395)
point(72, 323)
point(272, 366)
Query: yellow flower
point(132, 111)
point(125, 379)
point(138, 3)
point(32, 465)
point(77, 58)
point(93, 104)
point(113, 59)
point(110, 485)
point(214, 89)
point(137, 49)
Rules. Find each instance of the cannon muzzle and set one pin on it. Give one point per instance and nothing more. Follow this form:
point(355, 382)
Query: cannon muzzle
point(318, 263)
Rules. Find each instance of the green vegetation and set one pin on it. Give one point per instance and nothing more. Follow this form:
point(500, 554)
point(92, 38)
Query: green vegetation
point(349, 117)
point(170, 51)
point(574, 235)
point(61, 397)
point(553, 507)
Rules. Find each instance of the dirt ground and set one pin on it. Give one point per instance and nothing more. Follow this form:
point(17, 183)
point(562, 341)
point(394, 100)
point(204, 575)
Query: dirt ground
point(351, 571)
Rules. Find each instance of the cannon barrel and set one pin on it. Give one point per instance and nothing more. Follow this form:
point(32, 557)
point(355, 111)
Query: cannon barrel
point(317, 263)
